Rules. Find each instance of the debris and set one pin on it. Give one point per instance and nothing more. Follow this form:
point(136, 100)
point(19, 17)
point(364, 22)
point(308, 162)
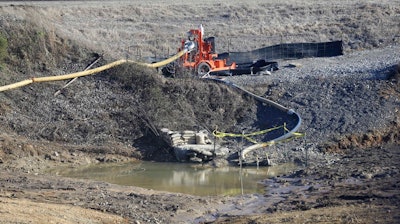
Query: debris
point(193, 146)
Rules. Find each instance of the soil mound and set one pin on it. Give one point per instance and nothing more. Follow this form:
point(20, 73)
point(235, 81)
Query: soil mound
point(127, 105)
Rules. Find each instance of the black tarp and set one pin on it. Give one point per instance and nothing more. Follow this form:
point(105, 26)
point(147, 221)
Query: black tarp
point(288, 51)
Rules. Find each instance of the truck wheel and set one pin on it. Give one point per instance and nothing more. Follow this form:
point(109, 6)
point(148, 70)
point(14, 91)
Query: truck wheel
point(203, 68)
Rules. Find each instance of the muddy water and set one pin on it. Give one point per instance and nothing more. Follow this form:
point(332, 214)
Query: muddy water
point(179, 177)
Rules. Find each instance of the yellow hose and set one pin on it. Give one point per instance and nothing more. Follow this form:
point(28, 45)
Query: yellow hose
point(16, 85)
point(165, 62)
point(90, 71)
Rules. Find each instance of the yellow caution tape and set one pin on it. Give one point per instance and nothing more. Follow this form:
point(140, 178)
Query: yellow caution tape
point(219, 134)
point(246, 136)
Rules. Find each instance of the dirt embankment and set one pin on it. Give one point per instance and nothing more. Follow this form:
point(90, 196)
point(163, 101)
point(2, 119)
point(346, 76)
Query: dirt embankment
point(353, 170)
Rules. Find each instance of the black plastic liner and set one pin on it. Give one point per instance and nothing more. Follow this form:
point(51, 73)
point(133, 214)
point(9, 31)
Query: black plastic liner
point(254, 68)
point(287, 51)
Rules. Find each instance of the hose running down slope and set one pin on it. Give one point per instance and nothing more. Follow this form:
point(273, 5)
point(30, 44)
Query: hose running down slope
point(295, 120)
point(90, 71)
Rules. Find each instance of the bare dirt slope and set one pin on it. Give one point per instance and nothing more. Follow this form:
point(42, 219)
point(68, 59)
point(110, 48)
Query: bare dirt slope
point(350, 106)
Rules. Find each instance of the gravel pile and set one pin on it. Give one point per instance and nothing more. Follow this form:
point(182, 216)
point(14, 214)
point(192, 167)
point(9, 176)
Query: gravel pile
point(335, 96)
point(368, 64)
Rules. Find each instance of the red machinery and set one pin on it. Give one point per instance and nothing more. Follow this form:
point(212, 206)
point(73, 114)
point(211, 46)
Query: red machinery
point(197, 54)
point(202, 58)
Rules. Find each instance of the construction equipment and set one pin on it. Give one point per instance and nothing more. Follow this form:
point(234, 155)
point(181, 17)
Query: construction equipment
point(203, 59)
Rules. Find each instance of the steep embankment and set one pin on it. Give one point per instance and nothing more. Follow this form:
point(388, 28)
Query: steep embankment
point(119, 108)
point(107, 117)
point(114, 109)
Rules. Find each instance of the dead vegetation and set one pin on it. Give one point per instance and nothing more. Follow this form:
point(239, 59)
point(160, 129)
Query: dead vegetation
point(115, 107)
point(120, 110)
point(138, 30)
point(33, 51)
point(335, 214)
point(186, 103)
point(135, 102)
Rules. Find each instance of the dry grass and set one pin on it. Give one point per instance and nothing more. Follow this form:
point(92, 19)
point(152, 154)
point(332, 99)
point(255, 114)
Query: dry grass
point(37, 212)
point(339, 214)
point(54, 37)
point(118, 105)
point(32, 49)
point(184, 103)
point(142, 29)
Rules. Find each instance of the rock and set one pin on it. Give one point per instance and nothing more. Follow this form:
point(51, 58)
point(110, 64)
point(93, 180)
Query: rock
point(201, 139)
point(293, 65)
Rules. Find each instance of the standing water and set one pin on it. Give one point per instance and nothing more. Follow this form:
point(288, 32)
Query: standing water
point(179, 177)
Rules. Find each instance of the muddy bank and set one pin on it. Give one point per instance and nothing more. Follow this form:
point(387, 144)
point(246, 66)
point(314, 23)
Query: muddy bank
point(367, 180)
point(349, 169)
point(363, 180)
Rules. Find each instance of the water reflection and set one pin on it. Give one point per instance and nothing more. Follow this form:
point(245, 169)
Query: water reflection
point(179, 177)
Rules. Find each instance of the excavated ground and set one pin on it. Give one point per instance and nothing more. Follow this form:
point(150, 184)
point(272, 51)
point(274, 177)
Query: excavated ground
point(348, 163)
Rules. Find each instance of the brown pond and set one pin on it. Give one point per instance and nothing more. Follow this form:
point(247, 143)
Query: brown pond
point(179, 177)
